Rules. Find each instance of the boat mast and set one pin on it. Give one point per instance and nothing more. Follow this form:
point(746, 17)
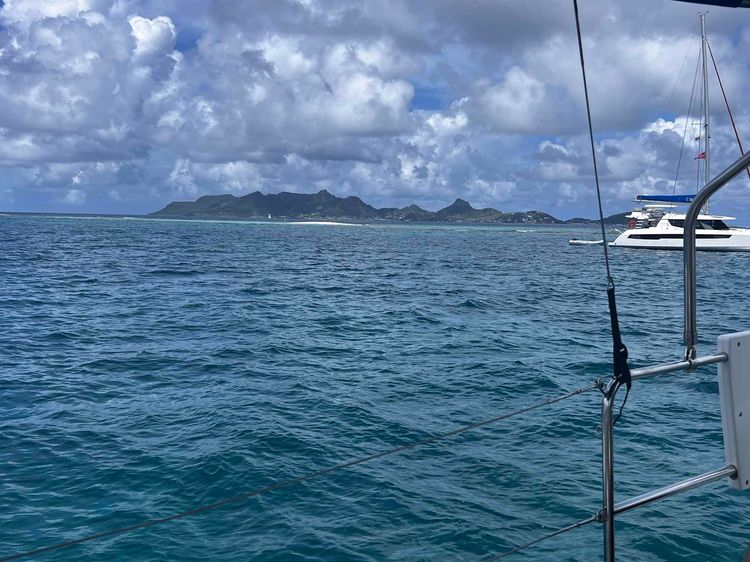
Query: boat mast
point(707, 135)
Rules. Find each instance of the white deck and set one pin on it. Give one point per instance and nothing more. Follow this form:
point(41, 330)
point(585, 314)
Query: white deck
point(666, 236)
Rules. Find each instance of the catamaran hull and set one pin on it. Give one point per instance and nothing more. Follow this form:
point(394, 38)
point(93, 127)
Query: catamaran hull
point(734, 240)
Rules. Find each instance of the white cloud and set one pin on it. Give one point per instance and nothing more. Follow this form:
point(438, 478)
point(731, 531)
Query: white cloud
point(139, 101)
point(153, 38)
point(287, 58)
point(23, 12)
point(181, 179)
point(75, 197)
point(517, 105)
point(78, 82)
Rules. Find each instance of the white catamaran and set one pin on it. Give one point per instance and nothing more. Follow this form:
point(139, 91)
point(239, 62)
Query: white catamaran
point(657, 226)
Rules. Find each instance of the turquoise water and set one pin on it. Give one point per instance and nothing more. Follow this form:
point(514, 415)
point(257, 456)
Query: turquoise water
point(152, 366)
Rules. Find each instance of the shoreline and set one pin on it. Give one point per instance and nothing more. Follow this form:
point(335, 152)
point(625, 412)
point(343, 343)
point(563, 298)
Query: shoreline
point(292, 222)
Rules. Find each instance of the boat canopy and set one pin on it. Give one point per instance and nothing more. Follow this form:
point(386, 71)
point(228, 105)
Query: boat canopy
point(667, 198)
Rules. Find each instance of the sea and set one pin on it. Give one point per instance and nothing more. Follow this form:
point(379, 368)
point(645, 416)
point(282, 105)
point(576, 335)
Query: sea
point(148, 367)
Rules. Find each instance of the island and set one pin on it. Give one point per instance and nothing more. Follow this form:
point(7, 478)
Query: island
point(324, 206)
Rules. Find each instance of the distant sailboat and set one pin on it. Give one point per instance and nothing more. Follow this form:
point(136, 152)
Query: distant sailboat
point(657, 227)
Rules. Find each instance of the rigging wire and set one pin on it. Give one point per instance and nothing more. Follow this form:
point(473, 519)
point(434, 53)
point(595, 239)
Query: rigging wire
point(524, 546)
point(597, 385)
point(687, 122)
point(726, 102)
point(610, 282)
point(620, 368)
point(682, 69)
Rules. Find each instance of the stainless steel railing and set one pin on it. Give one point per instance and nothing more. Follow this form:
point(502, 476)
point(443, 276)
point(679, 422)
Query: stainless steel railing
point(609, 509)
point(729, 471)
point(691, 327)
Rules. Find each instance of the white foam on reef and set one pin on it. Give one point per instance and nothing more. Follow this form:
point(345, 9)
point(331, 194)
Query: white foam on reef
point(230, 221)
point(249, 222)
point(321, 223)
point(160, 219)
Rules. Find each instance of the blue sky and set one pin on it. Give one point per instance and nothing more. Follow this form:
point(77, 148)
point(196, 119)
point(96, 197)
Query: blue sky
point(120, 106)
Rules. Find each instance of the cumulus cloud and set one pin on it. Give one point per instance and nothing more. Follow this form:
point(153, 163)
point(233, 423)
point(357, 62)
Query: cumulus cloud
point(644, 161)
point(520, 103)
point(260, 99)
point(123, 105)
point(75, 82)
point(22, 13)
point(75, 197)
point(153, 38)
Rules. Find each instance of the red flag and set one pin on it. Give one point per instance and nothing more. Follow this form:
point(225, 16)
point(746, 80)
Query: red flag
point(701, 156)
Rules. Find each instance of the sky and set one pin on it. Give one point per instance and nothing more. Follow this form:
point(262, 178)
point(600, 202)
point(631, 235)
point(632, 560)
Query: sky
point(121, 106)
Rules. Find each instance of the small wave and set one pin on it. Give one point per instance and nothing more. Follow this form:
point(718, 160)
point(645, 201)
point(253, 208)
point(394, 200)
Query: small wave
point(174, 272)
point(705, 387)
point(424, 316)
point(140, 362)
point(254, 291)
point(62, 335)
point(473, 303)
point(331, 289)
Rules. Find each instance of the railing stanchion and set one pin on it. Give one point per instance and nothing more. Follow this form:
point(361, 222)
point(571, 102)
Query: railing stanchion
point(689, 247)
point(608, 475)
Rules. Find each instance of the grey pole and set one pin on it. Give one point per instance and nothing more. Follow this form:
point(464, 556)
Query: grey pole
point(729, 471)
point(691, 329)
point(707, 132)
point(607, 515)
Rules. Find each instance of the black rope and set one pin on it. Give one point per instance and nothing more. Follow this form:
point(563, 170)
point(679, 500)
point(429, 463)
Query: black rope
point(622, 407)
point(518, 549)
point(297, 480)
point(619, 351)
point(621, 371)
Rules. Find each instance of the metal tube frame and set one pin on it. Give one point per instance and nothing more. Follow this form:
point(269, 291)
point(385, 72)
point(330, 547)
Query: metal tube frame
point(689, 249)
point(729, 471)
point(607, 514)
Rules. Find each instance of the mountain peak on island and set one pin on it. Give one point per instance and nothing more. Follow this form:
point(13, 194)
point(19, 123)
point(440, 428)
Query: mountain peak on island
point(459, 206)
point(323, 205)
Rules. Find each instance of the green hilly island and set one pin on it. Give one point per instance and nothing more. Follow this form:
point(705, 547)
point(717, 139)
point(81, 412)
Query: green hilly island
point(325, 206)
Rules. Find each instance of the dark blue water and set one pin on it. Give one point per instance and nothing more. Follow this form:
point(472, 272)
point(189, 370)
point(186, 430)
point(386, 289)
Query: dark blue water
point(148, 367)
